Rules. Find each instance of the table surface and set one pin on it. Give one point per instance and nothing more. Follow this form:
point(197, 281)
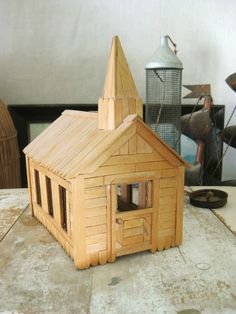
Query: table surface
point(36, 275)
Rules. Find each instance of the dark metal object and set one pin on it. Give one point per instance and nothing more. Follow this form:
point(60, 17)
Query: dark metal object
point(208, 198)
point(229, 135)
point(198, 90)
point(198, 125)
point(231, 81)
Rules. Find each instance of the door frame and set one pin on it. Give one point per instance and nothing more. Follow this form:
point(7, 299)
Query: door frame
point(111, 207)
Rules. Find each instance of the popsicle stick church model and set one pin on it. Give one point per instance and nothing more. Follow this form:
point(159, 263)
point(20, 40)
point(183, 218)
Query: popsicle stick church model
point(103, 183)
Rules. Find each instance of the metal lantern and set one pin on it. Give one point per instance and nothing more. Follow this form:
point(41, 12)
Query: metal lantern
point(163, 93)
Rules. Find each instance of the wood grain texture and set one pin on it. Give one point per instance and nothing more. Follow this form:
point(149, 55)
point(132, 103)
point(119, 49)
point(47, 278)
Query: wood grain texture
point(180, 205)
point(81, 257)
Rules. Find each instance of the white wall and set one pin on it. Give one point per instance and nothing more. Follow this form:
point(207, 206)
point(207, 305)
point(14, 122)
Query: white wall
point(55, 51)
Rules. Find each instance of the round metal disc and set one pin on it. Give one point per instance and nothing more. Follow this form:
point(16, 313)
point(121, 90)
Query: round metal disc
point(208, 198)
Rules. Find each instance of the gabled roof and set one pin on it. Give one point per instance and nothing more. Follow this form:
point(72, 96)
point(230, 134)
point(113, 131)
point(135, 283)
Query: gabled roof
point(73, 144)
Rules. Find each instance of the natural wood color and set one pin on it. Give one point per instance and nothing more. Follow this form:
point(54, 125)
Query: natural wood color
point(128, 168)
point(168, 153)
point(168, 183)
point(94, 258)
point(113, 199)
point(166, 173)
point(133, 231)
point(75, 165)
point(120, 97)
point(133, 158)
point(96, 238)
point(93, 182)
point(102, 257)
point(124, 150)
point(131, 177)
point(53, 227)
point(56, 203)
point(94, 221)
point(155, 215)
point(142, 146)
point(93, 230)
point(180, 205)
point(167, 191)
point(133, 145)
point(52, 176)
point(42, 180)
point(95, 192)
point(96, 247)
point(95, 202)
point(81, 258)
point(83, 114)
point(105, 149)
point(134, 248)
point(109, 223)
point(30, 188)
point(95, 211)
point(135, 213)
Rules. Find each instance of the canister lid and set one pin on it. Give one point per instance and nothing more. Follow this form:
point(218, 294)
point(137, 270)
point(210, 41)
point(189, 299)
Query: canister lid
point(164, 57)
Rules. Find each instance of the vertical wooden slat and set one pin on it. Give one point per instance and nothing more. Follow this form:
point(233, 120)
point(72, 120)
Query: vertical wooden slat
point(33, 186)
point(44, 196)
point(109, 244)
point(132, 145)
point(30, 189)
point(125, 190)
point(180, 205)
point(142, 192)
point(81, 258)
point(56, 204)
point(112, 256)
point(155, 214)
point(68, 212)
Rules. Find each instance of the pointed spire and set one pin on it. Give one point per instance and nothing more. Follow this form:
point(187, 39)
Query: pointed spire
point(120, 97)
point(119, 81)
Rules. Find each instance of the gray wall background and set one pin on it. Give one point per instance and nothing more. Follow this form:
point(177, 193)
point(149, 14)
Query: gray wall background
point(56, 51)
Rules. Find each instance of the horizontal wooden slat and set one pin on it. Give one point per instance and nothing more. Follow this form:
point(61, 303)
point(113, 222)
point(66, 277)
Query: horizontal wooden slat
point(133, 240)
point(167, 191)
point(135, 213)
point(129, 159)
point(165, 173)
point(130, 168)
point(133, 248)
point(166, 232)
point(131, 177)
point(98, 238)
point(133, 223)
point(133, 231)
point(95, 202)
point(94, 221)
point(168, 183)
point(96, 211)
point(168, 200)
point(93, 182)
point(91, 248)
point(95, 230)
point(95, 192)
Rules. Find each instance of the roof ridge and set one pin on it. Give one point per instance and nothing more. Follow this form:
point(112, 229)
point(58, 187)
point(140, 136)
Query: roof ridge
point(82, 114)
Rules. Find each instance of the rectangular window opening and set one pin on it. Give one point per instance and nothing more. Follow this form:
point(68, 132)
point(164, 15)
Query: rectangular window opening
point(63, 202)
point(49, 196)
point(134, 196)
point(38, 189)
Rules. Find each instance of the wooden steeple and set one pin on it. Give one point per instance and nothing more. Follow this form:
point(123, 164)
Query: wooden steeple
point(120, 97)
